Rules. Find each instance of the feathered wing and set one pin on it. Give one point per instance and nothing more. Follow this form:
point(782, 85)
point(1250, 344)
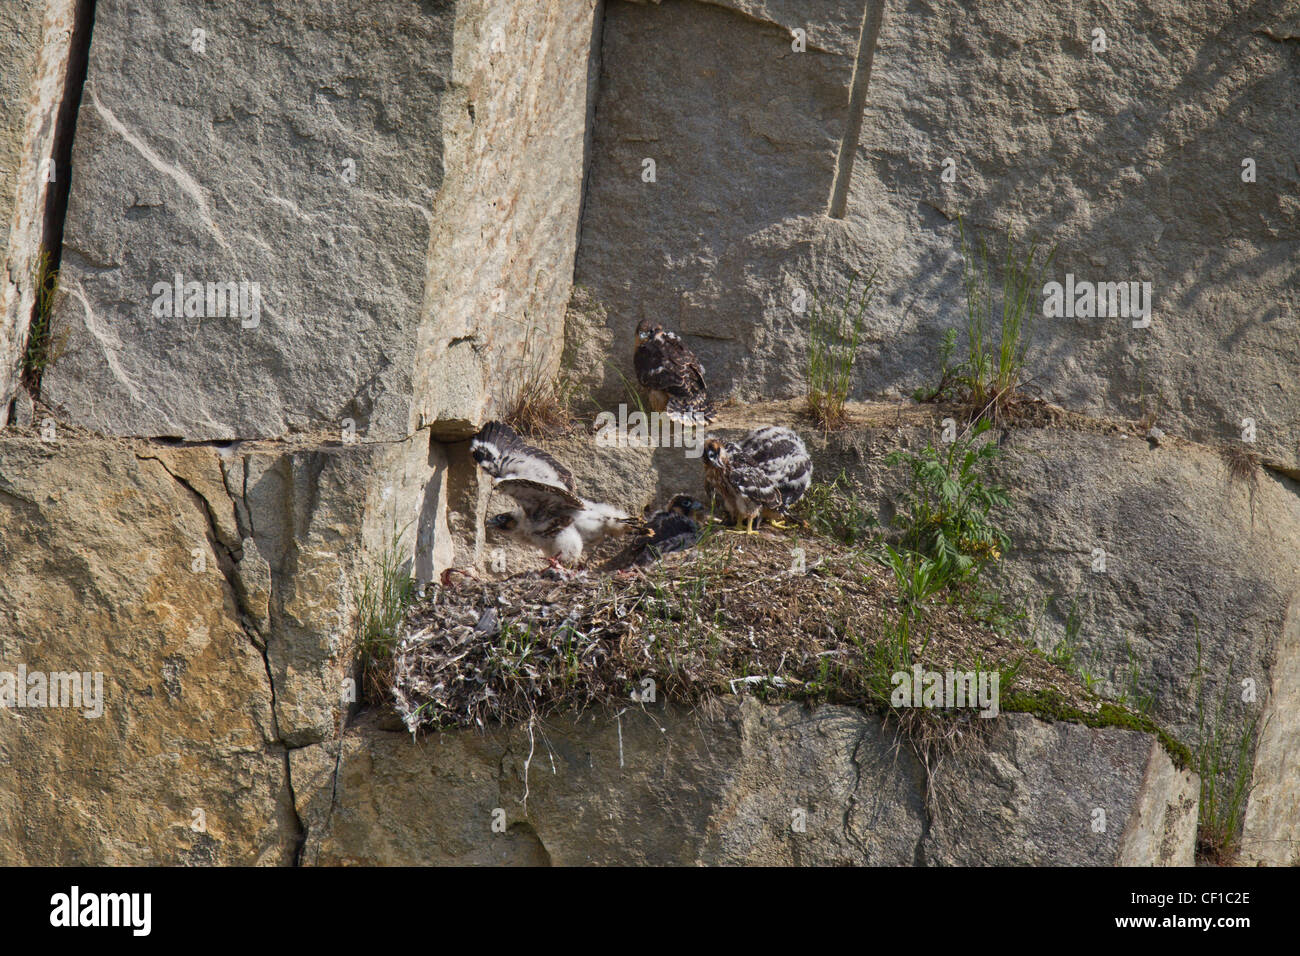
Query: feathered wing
point(663, 525)
point(779, 454)
point(665, 364)
point(541, 502)
point(697, 410)
point(500, 452)
point(752, 480)
point(719, 492)
point(555, 518)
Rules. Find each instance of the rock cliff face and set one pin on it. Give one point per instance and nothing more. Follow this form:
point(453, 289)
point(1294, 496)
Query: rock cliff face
point(328, 178)
point(406, 194)
point(1131, 158)
point(36, 53)
point(112, 565)
point(751, 784)
point(1189, 559)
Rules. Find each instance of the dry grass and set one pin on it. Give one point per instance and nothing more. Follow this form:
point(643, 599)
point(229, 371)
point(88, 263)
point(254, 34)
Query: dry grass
point(827, 410)
point(539, 407)
point(537, 401)
point(1243, 465)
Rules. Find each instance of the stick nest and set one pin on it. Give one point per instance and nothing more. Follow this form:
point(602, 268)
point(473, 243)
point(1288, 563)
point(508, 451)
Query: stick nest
point(782, 618)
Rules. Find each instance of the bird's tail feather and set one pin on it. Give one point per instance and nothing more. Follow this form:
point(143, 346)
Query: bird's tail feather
point(698, 412)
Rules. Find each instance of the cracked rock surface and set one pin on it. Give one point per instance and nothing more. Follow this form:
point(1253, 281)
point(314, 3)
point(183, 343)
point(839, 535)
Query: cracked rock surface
point(111, 566)
point(747, 783)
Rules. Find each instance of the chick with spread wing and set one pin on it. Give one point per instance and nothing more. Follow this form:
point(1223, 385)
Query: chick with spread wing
point(550, 514)
point(763, 474)
point(671, 374)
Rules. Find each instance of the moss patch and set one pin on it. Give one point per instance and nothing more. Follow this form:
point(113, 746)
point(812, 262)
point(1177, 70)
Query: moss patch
point(1047, 705)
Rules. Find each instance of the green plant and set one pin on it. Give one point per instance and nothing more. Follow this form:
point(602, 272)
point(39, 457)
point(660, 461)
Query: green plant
point(1066, 648)
point(995, 370)
point(836, 510)
point(890, 653)
point(633, 393)
point(1134, 696)
point(42, 347)
point(834, 333)
point(917, 576)
point(387, 590)
point(1223, 759)
point(999, 324)
point(1066, 652)
point(990, 608)
point(946, 510)
point(949, 373)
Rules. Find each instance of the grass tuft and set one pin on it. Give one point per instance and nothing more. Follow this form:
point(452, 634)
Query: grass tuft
point(835, 509)
point(537, 402)
point(834, 334)
point(1000, 313)
point(635, 402)
point(387, 592)
point(1224, 761)
point(42, 346)
point(1243, 464)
